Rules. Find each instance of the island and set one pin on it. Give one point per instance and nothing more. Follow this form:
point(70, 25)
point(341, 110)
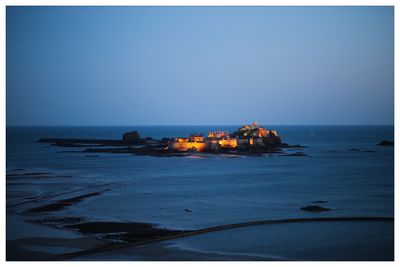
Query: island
point(250, 139)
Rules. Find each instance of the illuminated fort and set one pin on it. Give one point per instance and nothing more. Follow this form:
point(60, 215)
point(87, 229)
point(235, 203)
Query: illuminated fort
point(247, 136)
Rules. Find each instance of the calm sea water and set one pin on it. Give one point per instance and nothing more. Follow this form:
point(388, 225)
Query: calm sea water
point(218, 190)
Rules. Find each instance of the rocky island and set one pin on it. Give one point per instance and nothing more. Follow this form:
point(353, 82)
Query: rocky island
point(249, 139)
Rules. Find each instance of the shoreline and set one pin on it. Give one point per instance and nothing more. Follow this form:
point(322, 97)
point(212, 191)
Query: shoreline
point(218, 228)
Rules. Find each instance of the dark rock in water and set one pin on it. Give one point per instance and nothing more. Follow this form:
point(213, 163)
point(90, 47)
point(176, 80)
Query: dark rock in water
point(295, 146)
point(354, 149)
point(188, 210)
point(320, 201)
point(131, 136)
point(67, 144)
point(124, 231)
point(314, 208)
point(71, 142)
point(386, 143)
point(296, 154)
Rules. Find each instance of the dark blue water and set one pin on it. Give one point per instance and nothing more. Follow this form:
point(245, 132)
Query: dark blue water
point(217, 189)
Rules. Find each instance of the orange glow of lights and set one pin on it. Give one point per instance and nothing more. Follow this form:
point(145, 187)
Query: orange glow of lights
point(185, 146)
point(197, 138)
point(262, 132)
point(228, 143)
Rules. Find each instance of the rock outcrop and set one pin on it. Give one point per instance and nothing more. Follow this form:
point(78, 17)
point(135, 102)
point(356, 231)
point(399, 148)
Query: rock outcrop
point(315, 208)
point(386, 143)
point(131, 136)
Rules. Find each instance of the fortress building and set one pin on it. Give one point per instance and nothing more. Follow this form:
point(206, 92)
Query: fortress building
point(247, 136)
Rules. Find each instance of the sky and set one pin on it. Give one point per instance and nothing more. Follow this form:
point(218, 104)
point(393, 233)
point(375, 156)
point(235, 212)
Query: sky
point(199, 65)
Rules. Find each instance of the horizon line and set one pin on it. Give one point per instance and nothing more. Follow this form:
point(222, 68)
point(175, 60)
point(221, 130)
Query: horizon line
point(186, 125)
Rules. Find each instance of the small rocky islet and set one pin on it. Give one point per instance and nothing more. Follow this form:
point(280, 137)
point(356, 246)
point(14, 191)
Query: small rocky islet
point(248, 140)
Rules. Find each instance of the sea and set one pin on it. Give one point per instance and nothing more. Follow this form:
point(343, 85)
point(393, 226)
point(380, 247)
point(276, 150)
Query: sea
point(344, 170)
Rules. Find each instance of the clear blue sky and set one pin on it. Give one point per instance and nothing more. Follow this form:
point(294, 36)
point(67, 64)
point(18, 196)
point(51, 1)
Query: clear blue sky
point(199, 65)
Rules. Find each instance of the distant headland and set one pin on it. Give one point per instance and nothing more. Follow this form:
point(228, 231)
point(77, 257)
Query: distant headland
point(250, 139)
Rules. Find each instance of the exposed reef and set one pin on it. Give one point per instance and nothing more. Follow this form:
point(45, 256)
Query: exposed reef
point(71, 142)
point(123, 231)
point(386, 143)
point(296, 154)
point(315, 208)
